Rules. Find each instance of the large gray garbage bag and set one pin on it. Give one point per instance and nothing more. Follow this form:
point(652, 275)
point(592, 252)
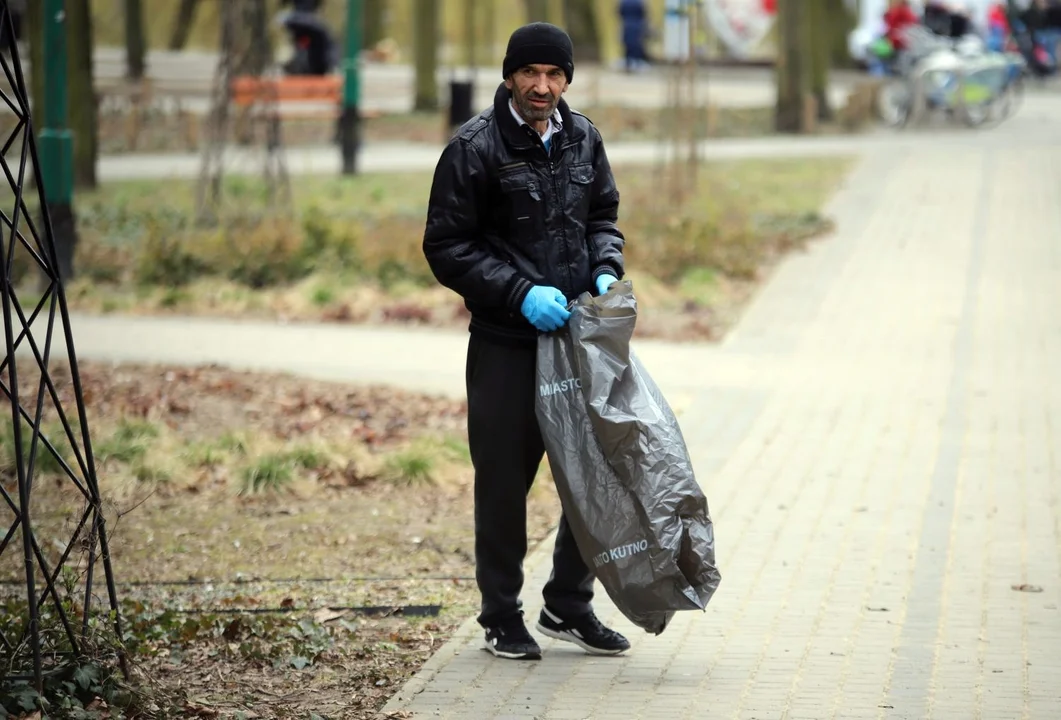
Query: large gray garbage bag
point(621, 466)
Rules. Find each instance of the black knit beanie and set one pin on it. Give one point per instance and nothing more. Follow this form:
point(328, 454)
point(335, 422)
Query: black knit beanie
point(539, 43)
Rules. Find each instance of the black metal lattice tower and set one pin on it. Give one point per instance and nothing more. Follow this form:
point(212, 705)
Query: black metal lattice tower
point(56, 575)
point(245, 56)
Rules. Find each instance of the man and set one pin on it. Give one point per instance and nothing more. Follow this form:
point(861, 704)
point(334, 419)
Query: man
point(520, 221)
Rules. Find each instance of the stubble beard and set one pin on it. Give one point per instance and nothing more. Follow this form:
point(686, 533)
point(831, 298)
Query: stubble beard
point(531, 113)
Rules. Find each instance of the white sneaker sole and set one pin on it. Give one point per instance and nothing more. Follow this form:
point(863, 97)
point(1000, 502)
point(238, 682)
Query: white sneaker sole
point(510, 656)
point(571, 638)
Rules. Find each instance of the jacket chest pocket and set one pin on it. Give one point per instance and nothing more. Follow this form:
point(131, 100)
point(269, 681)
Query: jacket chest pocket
point(580, 179)
point(521, 194)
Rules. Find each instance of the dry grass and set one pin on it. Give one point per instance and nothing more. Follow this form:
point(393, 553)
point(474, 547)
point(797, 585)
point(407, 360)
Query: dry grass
point(241, 507)
point(352, 250)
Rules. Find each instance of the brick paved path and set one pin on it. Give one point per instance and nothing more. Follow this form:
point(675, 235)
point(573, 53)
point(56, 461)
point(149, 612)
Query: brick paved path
point(879, 442)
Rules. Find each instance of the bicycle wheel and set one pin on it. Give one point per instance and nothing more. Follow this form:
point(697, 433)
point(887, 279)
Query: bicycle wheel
point(976, 97)
point(1010, 100)
point(894, 102)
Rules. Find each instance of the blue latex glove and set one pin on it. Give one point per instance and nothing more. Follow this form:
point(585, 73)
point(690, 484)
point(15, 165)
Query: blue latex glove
point(545, 308)
point(604, 282)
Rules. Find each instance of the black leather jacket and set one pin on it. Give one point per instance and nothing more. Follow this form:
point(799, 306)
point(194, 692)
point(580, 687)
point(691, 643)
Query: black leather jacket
point(505, 215)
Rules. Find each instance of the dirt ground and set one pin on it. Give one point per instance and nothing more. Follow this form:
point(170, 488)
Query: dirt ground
point(281, 546)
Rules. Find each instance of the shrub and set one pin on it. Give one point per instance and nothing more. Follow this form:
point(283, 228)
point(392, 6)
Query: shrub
point(691, 236)
point(265, 254)
point(168, 261)
point(100, 261)
point(329, 244)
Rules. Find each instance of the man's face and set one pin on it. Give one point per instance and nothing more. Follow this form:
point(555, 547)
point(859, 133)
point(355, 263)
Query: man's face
point(536, 90)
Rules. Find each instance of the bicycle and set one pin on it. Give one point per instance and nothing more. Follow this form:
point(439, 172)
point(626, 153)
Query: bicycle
point(957, 76)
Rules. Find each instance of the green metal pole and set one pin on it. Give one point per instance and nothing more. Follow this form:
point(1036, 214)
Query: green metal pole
point(56, 141)
point(350, 117)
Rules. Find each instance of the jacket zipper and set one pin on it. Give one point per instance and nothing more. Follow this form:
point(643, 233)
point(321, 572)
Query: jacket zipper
point(563, 228)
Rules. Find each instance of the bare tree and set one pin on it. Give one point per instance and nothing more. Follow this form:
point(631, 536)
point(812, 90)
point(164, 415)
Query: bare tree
point(135, 42)
point(83, 106)
point(182, 25)
point(425, 49)
point(792, 65)
point(819, 48)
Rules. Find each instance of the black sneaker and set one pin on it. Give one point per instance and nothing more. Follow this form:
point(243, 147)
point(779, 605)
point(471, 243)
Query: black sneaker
point(587, 632)
point(512, 641)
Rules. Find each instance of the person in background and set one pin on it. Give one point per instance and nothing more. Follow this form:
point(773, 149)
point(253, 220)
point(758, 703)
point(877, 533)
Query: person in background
point(937, 17)
point(998, 30)
point(897, 18)
point(948, 19)
point(1048, 27)
point(634, 18)
point(961, 23)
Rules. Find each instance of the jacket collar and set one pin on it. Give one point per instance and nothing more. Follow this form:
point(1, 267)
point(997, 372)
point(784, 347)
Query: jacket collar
point(522, 137)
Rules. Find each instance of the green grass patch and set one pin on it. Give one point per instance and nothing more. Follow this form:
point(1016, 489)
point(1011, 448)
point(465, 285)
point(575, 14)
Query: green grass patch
point(307, 458)
point(128, 443)
point(46, 462)
point(150, 475)
point(414, 466)
point(322, 295)
point(232, 442)
point(269, 474)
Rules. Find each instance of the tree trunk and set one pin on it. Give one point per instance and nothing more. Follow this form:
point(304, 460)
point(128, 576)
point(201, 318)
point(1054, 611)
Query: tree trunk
point(425, 48)
point(470, 35)
point(83, 120)
point(182, 25)
point(373, 22)
point(537, 10)
point(841, 22)
point(791, 66)
point(818, 44)
point(135, 42)
point(581, 20)
point(259, 52)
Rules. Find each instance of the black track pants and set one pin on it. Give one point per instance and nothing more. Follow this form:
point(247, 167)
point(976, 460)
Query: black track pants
point(506, 448)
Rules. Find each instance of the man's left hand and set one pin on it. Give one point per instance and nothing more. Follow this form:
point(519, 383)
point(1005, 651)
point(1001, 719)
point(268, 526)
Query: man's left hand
point(604, 282)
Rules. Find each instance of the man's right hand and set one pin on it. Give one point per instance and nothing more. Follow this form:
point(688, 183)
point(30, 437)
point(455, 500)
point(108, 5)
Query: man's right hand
point(545, 308)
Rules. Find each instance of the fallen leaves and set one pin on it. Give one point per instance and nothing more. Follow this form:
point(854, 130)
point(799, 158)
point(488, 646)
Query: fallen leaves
point(232, 574)
point(200, 400)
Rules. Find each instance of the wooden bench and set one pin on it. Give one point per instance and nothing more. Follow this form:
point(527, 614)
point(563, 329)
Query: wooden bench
point(136, 101)
point(278, 94)
point(248, 90)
